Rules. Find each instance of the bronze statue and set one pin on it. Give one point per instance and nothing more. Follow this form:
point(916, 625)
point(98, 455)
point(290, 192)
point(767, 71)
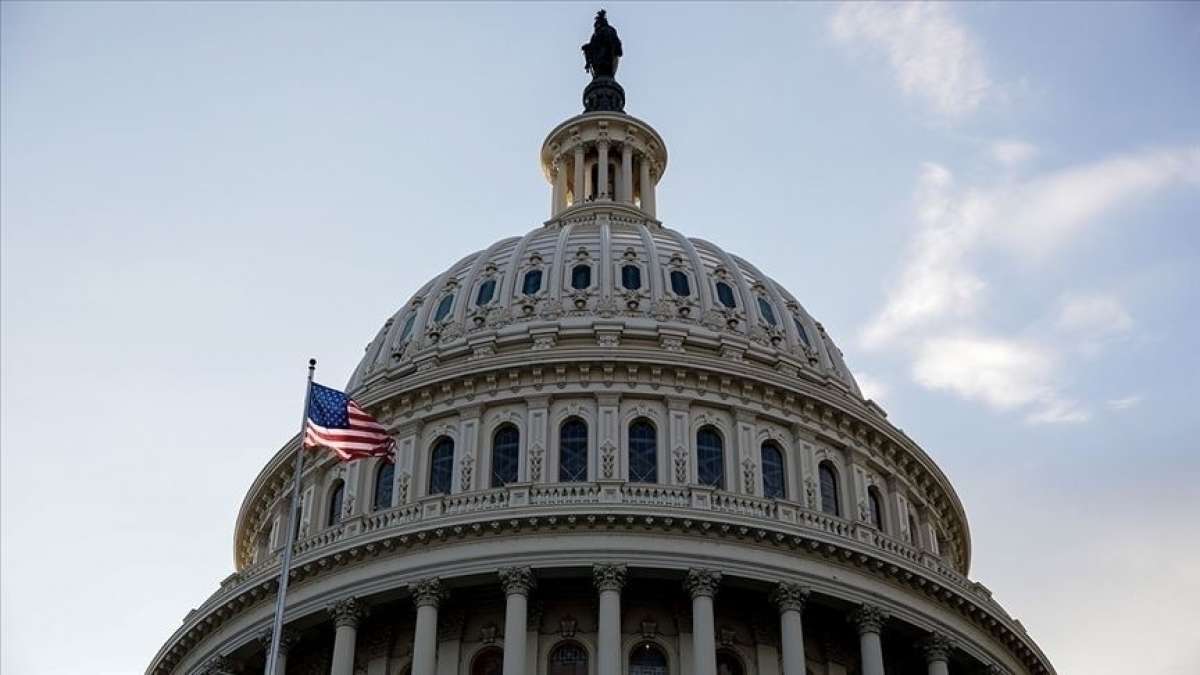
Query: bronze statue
point(603, 51)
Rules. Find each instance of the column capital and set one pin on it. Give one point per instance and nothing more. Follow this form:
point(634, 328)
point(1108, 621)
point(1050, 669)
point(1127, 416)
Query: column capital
point(287, 638)
point(218, 665)
point(936, 647)
point(347, 612)
point(789, 597)
point(868, 619)
point(517, 580)
point(428, 592)
point(700, 582)
point(609, 577)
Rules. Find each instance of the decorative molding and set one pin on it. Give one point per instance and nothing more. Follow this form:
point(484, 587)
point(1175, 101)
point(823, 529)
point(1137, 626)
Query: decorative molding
point(428, 592)
point(347, 612)
point(936, 647)
point(567, 626)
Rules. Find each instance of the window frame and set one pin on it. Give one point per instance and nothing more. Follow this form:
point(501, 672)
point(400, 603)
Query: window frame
point(444, 308)
point(575, 477)
point(489, 284)
point(687, 283)
point(380, 483)
point(718, 449)
point(722, 284)
point(513, 446)
point(447, 443)
point(334, 502)
point(541, 278)
point(770, 445)
point(834, 497)
point(650, 476)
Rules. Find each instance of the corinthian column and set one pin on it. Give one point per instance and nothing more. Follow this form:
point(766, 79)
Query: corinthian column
point(609, 579)
point(936, 648)
point(287, 638)
point(427, 594)
point(346, 615)
point(703, 584)
point(517, 583)
point(790, 599)
point(869, 621)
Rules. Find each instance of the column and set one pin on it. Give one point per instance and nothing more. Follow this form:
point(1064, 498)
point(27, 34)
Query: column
point(580, 175)
point(517, 583)
point(346, 615)
point(869, 621)
point(646, 186)
point(626, 173)
point(609, 580)
point(702, 585)
point(559, 194)
point(287, 638)
point(602, 170)
point(937, 648)
point(427, 594)
point(790, 599)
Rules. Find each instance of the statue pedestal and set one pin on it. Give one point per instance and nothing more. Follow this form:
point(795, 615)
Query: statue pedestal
point(603, 94)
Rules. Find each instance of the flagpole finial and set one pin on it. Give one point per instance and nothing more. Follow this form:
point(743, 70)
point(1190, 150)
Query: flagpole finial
point(312, 363)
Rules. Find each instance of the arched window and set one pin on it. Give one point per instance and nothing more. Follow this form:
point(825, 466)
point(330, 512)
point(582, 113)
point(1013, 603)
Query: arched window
point(572, 451)
point(830, 501)
point(335, 503)
point(383, 486)
point(441, 466)
point(532, 283)
point(489, 661)
point(710, 458)
point(774, 482)
point(408, 326)
point(647, 659)
point(875, 506)
point(725, 295)
point(581, 277)
point(643, 452)
point(680, 285)
point(486, 290)
point(631, 277)
point(768, 313)
point(506, 452)
point(443, 308)
point(802, 333)
point(914, 535)
point(568, 658)
point(728, 663)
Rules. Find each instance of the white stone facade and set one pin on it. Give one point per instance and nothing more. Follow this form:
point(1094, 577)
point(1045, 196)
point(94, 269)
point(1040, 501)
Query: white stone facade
point(619, 451)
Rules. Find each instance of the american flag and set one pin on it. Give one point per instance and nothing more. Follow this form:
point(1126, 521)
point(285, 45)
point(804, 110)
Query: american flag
point(337, 423)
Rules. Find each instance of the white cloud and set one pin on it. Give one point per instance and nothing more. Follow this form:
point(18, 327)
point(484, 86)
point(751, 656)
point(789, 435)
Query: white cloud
point(932, 55)
point(1011, 152)
point(1093, 315)
point(1125, 403)
point(872, 387)
point(1002, 373)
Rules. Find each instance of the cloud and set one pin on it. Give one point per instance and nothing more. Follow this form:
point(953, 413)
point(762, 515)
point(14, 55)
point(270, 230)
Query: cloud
point(1125, 403)
point(932, 55)
point(1011, 152)
point(935, 301)
point(872, 387)
point(1002, 373)
point(1093, 315)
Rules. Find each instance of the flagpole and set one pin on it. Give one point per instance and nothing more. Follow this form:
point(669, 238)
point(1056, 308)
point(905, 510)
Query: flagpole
point(286, 564)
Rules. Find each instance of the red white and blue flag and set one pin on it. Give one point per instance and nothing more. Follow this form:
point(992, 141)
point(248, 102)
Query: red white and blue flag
point(337, 423)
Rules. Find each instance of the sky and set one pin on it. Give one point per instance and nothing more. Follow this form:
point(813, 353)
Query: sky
point(993, 208)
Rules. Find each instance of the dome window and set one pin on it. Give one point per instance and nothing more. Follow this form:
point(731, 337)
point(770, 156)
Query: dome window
point(383, 486)
point(443, 308)
point(631, 277)
point(572, 451)
point(680, 285)
point(486, 290)
point(710, 458)
point(581, 277)
point(875, 506)
point(768, 314)
point(802, 333)
point(569, 658)
point(647, 659)
point(408, 326)
point(725, 295)
point(643, 452)
point(441, 466)
point(830, 503)
point(506, 451)
point(774, 483)
point(335, 504)
point(532, 283)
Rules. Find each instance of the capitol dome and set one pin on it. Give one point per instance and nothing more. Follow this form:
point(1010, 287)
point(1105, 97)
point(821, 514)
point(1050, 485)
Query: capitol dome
point(618, 451)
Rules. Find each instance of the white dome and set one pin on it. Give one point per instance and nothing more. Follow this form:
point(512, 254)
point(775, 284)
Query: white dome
point(607, 270)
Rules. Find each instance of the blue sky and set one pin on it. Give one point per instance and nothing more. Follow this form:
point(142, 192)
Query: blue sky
point(992, 207)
